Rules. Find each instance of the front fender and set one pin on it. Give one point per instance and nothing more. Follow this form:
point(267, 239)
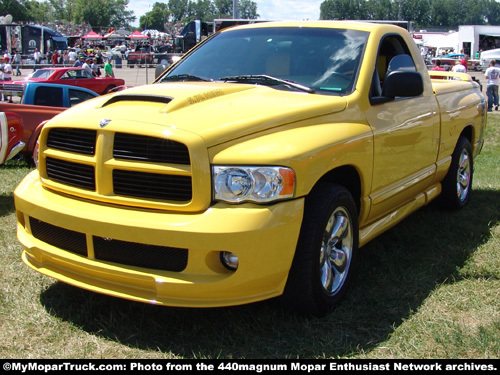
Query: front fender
point(311, 151)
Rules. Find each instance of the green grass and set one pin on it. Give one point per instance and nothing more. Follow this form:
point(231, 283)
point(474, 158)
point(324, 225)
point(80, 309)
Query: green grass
point(428, 288)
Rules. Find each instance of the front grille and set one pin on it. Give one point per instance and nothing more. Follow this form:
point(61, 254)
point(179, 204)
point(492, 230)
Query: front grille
point(140, 255)
point(122, 252)
point(74, 174)
point(75, 140)
point(152, 185)
point(61, 238)
point(149, 149)
point(137, 166)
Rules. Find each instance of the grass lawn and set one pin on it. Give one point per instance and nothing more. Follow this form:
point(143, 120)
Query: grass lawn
point(428, 288)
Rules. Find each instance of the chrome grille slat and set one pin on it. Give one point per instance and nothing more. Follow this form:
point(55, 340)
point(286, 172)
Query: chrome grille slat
point(149, 149)
point(75, 140)
point(152, 185)
point(74, 174)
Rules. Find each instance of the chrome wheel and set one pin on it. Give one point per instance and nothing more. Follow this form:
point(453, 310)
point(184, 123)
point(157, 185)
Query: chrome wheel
point(336, 251)
point(457, 184)
point(463, 175)
point(325, 257)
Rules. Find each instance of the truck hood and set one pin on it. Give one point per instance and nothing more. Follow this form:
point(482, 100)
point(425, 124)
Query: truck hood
point(216, 111)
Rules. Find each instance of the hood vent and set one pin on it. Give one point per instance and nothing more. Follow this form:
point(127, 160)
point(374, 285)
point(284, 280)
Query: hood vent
point(138, 98)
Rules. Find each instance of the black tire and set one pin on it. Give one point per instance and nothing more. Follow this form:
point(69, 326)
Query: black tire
point(325, 257)
point(457, 184)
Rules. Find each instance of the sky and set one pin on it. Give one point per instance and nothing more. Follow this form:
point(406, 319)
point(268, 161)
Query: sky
point(267, 9)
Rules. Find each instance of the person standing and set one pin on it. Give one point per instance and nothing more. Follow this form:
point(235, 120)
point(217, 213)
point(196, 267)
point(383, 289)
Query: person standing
point(55, 58)
point(78, 63)
point(459, 67)
point(438, 67)
point(37, 56)
point(7, 75)
point(492, 74)
point(17, 62)
point(96, 72)
point(86, 66)
point(72, 56)
point(108, 68)
point(465, 61)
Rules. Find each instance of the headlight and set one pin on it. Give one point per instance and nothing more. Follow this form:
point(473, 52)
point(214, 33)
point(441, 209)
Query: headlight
point(262, 184)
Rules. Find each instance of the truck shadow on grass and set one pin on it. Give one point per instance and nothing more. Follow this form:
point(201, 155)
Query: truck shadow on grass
point(397, 272)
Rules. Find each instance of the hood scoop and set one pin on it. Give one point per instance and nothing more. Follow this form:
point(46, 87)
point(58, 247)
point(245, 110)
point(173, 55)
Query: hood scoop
point(138, 98)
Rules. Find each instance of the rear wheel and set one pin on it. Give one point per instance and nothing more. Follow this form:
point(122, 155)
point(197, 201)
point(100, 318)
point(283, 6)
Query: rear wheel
point(457, 184)
point(108, 89)
point(326, 252)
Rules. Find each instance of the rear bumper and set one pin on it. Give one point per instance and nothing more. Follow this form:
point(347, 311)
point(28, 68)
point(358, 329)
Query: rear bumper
point(263, 237)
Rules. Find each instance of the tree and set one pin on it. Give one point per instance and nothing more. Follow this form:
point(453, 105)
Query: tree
point(223, 8)
point(102, 13)
point(178, 9)
point(156, 18)
point(248, 9)
point(343, 9)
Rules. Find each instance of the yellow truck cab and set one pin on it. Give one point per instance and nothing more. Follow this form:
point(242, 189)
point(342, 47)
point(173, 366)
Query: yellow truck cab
point(254, 167)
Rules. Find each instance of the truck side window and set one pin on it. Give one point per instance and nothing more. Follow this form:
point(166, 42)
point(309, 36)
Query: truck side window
point(76, 97)
point(48, 96)
point(391, 46)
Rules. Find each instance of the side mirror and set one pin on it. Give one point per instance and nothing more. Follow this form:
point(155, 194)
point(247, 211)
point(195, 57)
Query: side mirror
point(403, 83)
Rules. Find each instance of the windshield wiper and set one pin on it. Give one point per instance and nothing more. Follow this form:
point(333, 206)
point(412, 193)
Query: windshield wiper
point(183, 78)
point(263, 79)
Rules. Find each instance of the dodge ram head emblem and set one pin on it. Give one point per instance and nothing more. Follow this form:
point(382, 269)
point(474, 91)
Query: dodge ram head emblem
point(104, 122)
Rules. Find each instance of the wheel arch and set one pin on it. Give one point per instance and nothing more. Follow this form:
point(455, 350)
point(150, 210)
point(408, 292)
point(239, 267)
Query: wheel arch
point(347, 176)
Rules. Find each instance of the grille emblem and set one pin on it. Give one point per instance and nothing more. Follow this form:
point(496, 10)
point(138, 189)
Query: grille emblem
point(104, 122)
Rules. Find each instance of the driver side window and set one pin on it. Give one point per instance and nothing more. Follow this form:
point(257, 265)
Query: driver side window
point(393, 55)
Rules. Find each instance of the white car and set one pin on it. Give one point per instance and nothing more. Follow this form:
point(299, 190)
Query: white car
point(488, 55)
point(114, 52)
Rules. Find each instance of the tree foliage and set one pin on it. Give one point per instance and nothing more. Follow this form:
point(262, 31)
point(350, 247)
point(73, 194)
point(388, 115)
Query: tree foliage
point(114, 13)
point(424, 13)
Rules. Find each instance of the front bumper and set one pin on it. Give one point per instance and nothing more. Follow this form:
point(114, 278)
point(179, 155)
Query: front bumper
point(263, 237)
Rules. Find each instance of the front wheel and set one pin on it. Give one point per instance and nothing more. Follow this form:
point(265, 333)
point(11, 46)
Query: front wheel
point(326, 252)
point(457, 184)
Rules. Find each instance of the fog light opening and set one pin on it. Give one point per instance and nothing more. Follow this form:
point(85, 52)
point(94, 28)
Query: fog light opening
point(229, 260)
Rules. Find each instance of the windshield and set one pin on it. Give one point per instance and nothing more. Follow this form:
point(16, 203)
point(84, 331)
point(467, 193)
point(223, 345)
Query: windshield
point(42, 73)
point(322, 59)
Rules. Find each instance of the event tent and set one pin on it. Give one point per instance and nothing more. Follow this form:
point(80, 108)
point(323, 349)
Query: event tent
point(138, 35)
point(92, 35)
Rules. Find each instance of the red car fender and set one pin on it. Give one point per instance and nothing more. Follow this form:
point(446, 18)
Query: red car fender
point(11, 132)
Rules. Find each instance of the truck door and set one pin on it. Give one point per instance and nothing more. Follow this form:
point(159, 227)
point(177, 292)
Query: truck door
point(406, 131)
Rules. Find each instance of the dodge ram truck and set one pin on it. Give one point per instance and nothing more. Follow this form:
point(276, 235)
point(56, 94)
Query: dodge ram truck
point(257, 175)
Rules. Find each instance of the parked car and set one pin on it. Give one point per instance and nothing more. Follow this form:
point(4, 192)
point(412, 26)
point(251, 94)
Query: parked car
point(11, 132)
point(487, 56)
point(449, 60)
point(114, 53)
point(40, 102)
point(76, 77)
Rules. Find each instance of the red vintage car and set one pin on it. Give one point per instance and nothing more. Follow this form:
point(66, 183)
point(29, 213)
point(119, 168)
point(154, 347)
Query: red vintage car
point(11, 132)
point(75, 77)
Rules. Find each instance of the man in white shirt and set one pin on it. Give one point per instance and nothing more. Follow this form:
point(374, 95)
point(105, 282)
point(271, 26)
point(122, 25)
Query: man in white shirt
point(6, 75)
point(492, 74)
point(37, 56)
point(72, 55)
point(459, 68)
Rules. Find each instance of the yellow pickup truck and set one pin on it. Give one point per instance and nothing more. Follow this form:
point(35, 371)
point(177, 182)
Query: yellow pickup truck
point(254, 167)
